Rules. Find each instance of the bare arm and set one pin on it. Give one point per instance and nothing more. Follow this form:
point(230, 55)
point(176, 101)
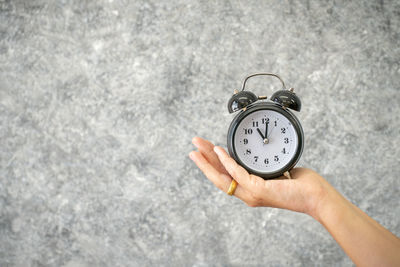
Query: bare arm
point(364, 240)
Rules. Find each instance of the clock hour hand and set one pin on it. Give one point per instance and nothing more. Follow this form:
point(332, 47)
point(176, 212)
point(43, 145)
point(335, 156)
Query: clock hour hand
point(259, 131)
point(265, 139)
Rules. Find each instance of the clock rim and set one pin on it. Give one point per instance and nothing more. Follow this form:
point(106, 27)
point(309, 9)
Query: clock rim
point(274, 107)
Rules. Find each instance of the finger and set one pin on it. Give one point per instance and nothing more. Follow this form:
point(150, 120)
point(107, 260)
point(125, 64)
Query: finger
point(207, 149)
point(249, 182)
point(221, 180)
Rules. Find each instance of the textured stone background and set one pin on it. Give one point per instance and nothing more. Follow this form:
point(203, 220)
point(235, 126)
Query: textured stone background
point(99, 101)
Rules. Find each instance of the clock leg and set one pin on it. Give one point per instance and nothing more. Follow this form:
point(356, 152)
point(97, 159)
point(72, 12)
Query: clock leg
point(287, 174)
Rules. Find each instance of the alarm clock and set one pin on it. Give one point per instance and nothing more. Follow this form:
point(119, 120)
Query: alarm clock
point(265, 137)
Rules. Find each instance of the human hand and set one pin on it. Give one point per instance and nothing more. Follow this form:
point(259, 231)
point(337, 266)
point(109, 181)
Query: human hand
point(362, 238)
point(303, 193)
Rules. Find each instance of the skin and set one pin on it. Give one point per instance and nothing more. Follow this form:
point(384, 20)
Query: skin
point(364, 240)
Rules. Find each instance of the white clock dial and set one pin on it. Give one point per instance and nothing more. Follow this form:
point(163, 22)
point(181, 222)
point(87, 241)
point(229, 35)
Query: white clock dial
point(265, 141)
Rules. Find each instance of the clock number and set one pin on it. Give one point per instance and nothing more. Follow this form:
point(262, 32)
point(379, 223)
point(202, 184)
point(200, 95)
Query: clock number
point(284, 150)
point(276, 158)
point(283, 130)
point(245, 141)
point(265, 121)
point(286, 140)
point(248, 151)
point(255, 123)
point(255, 158)
point(276, 123)
point(266, 161)
point(248, 131)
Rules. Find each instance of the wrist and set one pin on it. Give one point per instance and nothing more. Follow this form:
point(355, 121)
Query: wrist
point(323, 201)
point(330, 206)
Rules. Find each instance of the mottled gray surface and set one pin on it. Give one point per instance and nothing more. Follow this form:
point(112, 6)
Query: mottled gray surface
point(99, 101)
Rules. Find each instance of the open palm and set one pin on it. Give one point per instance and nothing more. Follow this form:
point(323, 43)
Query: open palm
point(301, 194)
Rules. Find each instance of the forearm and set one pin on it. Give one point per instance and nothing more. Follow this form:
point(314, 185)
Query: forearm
point(364, 240)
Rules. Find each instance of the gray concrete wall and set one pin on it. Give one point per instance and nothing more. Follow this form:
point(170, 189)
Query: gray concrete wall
point(99, 101)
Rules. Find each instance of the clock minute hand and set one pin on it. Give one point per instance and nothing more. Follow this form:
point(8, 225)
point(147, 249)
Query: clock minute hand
point(265, 139)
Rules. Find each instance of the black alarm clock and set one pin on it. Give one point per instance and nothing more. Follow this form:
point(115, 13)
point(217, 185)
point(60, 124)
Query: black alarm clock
point(265, 137)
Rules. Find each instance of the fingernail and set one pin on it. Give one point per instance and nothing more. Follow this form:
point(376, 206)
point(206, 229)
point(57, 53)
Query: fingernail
point(217, 150)
point(191, 155)
point(194, 141)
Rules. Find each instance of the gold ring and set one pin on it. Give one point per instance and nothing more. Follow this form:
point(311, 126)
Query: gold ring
point(232, 187)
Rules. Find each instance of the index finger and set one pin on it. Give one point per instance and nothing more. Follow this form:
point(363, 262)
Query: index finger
point(206, 148)
point(221, 180)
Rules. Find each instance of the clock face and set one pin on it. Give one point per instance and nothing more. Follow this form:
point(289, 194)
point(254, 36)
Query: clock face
point(265, 141)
